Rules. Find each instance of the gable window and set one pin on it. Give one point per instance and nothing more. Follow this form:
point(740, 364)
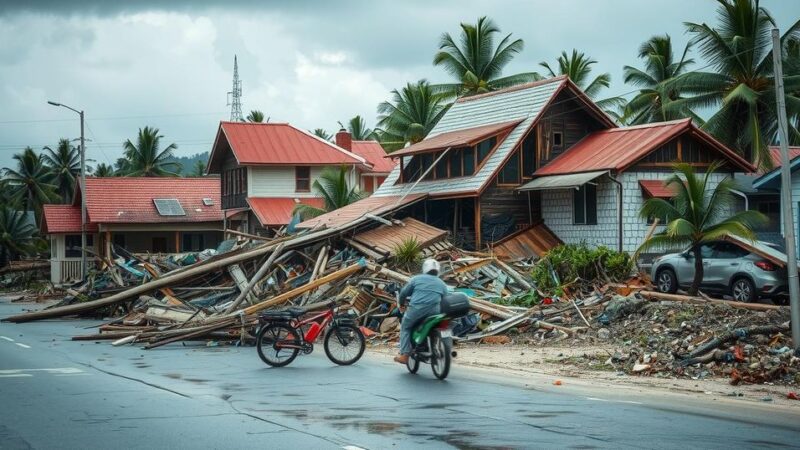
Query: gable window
point(510, 172)
point(529, 155)
point(584, 205)
point(302, 179)
point(411, 169)
point(558, 139)
point(441, 167)
point(485, 147)
point(469, 160)
point(455, 164)
point(426, 160)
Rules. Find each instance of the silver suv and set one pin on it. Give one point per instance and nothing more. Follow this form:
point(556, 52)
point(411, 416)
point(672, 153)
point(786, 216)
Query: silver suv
point(727, 269)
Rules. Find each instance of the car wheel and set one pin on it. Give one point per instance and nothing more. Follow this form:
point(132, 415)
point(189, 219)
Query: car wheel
point(666, 281)
point(743, 290)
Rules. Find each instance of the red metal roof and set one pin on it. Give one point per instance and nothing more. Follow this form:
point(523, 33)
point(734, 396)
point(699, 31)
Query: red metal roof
point(280, 144)
point(375, 155)
point(656, 189)
point(353, 211)
point(775, 153)
point(276, 211)
point(63, 219)
point(617, 149)
point(458, 138)
point(130, 199)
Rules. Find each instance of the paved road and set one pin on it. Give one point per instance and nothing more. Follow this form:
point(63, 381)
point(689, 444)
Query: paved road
point(57, 393)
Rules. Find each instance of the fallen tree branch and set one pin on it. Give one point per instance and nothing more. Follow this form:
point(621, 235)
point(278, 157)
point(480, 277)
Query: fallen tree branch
point(685, 298)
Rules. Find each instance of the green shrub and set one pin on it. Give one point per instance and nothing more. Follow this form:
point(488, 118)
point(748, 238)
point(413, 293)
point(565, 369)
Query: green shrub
point(565, 263)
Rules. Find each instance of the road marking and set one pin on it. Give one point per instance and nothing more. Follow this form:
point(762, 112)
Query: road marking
point(352, 447)
point(55, 370)
point(630, 402)
point(7, 338)
point(14, 375)
point(22, 345)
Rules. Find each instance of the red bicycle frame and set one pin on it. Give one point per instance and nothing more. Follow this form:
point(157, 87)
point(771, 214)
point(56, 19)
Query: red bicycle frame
point(316, 327)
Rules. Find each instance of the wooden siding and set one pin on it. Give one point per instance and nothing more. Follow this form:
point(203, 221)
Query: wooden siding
point(566, 116)
point(682, 149)
point(497, 200)
point(533, 241)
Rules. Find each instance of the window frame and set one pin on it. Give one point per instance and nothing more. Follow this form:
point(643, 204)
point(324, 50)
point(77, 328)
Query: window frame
point(583, 192)
point(298, 179)
point(514, 154)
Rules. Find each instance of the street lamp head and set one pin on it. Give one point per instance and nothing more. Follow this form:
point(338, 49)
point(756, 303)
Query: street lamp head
point(54, 103)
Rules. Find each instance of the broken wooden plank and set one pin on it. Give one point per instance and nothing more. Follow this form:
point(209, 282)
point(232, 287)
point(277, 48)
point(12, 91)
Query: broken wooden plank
point(685, 298)
point(256, 278)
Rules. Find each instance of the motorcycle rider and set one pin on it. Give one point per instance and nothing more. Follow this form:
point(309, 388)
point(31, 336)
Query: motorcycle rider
point(425, 292)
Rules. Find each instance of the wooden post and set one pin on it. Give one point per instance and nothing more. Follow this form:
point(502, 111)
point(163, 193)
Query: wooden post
point(108, 244)
point(680, 150)
point(477, 223)
point(177, 241)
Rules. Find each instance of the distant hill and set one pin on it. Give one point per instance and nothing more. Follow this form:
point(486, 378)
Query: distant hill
point(188, 162)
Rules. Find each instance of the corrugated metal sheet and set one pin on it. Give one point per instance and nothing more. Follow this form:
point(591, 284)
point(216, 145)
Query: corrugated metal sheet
point(572, 180)
point(281, 143)
point(278, 211)
point(656, 189)
point(385, 238)
point(374, 205)
point(458, 138)
point(775, 153)
point(375, 155)
point(533, 241)
point(524, 104)
point(617, 148)
point(63, 219)
point(130, 200)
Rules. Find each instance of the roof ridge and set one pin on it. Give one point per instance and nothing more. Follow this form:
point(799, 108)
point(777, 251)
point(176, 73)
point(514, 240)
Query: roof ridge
point(333, 145)
point(650, 125)
point(518, 87)
point(253, 123)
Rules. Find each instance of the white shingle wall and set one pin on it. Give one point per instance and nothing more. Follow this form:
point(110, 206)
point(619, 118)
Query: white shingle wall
point(557, 212)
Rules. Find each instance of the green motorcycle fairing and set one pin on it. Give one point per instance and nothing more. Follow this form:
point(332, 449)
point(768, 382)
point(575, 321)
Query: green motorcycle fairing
point(422, 330)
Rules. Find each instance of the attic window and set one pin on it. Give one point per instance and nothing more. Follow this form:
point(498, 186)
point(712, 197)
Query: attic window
point(558, 139)
point(169, 207)
point(208, 201)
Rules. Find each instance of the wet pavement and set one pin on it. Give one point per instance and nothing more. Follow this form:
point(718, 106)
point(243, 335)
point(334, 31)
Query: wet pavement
point(57, 393)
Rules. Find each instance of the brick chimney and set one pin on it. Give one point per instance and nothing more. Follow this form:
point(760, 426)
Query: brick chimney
point(344, 139)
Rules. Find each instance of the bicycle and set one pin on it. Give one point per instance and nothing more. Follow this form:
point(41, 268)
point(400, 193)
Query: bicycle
point(281, 337)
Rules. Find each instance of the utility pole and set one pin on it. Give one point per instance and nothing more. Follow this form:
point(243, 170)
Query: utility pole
point(786, 193)
point(84, 271)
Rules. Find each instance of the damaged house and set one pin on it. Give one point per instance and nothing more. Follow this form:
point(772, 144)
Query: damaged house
point(528, 167)
point(267, 169)
point(141, 215)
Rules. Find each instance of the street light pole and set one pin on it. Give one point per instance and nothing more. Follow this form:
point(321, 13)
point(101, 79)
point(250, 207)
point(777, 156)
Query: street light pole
point(84, 273)
point(786, 193)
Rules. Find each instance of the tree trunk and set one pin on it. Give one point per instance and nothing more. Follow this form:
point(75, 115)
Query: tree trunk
point(698, 270)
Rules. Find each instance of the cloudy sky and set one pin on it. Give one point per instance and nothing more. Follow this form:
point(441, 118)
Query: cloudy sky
point(169, 64)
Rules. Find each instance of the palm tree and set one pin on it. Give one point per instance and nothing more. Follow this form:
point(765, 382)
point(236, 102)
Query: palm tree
point(121, 167)
point(145, 159)
point(742, 83)
point(578, 68)
point(476, 62)
point(651, 104)
point(30, 184)
point(333, 187)
point(103, 170)
point(410, 116)
point(255, 116)
point(357, 127)
point(64, 164)
point(16, 235)
point(198, 169)
point(320, 133)
point(696, 215)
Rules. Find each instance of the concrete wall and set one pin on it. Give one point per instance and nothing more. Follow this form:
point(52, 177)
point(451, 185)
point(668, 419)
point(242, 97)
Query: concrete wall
point(557, 212)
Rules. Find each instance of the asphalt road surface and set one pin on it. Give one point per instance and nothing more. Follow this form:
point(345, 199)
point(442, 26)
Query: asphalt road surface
point(57, 393)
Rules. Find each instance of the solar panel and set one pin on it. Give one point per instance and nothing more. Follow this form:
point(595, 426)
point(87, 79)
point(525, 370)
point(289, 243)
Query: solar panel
point(208, 201)
point(169, 207)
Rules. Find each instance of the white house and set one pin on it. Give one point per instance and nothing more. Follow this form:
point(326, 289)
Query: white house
point(771, 182)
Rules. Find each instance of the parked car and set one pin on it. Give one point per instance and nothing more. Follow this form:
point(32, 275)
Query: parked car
point(728, 269)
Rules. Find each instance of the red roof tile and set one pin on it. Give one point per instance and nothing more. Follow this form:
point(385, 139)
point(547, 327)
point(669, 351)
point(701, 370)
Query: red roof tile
point(374, 205)
point(656, 189)
point(618, 148)
point(272, 211)
point(63, 219)
point(130, 199)
point(280, 144)
point(458, 138)
point(375, 155)
point(775, 153)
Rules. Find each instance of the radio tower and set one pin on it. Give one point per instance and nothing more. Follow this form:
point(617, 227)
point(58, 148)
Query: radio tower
point(235, 95)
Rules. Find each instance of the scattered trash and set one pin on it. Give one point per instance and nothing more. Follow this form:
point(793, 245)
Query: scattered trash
point(557, 383)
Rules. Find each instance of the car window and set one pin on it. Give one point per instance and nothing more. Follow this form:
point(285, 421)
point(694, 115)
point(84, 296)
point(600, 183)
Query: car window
point(727, 250)
point(706, 251)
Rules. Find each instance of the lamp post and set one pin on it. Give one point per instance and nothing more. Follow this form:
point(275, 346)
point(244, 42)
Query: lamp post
point(83, 191)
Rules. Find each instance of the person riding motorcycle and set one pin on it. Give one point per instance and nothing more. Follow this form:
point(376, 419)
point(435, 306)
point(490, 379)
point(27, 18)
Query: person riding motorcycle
point(425, 292)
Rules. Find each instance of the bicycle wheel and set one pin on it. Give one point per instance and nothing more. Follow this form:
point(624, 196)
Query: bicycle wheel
point(412, 364)
point(440, 356)
point(344, 344)
point(269, 336)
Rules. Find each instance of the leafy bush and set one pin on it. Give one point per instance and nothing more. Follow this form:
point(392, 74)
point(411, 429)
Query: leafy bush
point(565, 263)
point(407, 254)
